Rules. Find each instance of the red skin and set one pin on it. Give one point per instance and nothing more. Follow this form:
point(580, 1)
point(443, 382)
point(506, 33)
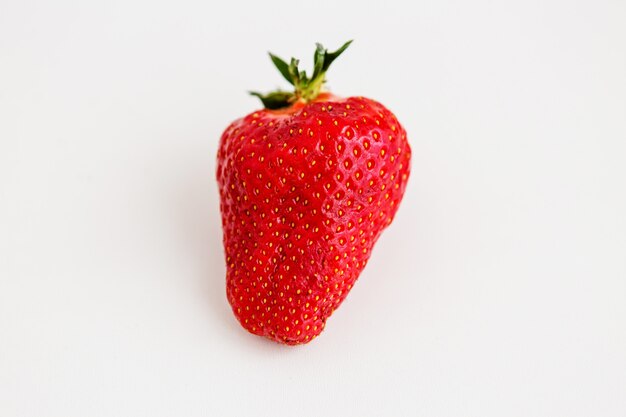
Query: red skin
point(305, 193)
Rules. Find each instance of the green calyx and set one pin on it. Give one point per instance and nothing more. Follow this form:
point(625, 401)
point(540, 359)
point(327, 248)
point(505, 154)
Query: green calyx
point(305, 89)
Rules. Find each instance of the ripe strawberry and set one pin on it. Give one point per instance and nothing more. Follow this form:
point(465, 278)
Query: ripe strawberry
point(307, 185)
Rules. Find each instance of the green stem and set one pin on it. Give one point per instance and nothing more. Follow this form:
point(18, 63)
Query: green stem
point(305, 88)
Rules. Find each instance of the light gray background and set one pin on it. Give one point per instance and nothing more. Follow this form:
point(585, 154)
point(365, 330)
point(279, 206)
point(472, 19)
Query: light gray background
point(498, 291)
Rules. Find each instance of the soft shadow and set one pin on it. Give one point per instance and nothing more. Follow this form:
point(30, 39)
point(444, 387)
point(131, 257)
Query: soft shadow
point(197, 210)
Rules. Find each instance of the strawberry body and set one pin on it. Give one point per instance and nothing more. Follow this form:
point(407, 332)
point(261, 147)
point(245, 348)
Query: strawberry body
point(306, 187)
point(305, 193)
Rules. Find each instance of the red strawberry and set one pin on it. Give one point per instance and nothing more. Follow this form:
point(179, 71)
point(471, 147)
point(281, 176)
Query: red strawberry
point(307, 185)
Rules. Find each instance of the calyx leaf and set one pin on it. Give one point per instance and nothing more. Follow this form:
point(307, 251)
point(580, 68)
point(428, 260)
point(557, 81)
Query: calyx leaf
point(305, 88)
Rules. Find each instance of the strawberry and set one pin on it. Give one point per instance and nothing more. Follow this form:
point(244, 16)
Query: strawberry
point(307, 185)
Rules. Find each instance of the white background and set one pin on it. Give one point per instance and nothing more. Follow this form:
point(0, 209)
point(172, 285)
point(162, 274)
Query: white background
point(499, 290)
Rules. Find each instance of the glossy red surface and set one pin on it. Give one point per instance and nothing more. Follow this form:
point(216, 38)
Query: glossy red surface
point(305, 193)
